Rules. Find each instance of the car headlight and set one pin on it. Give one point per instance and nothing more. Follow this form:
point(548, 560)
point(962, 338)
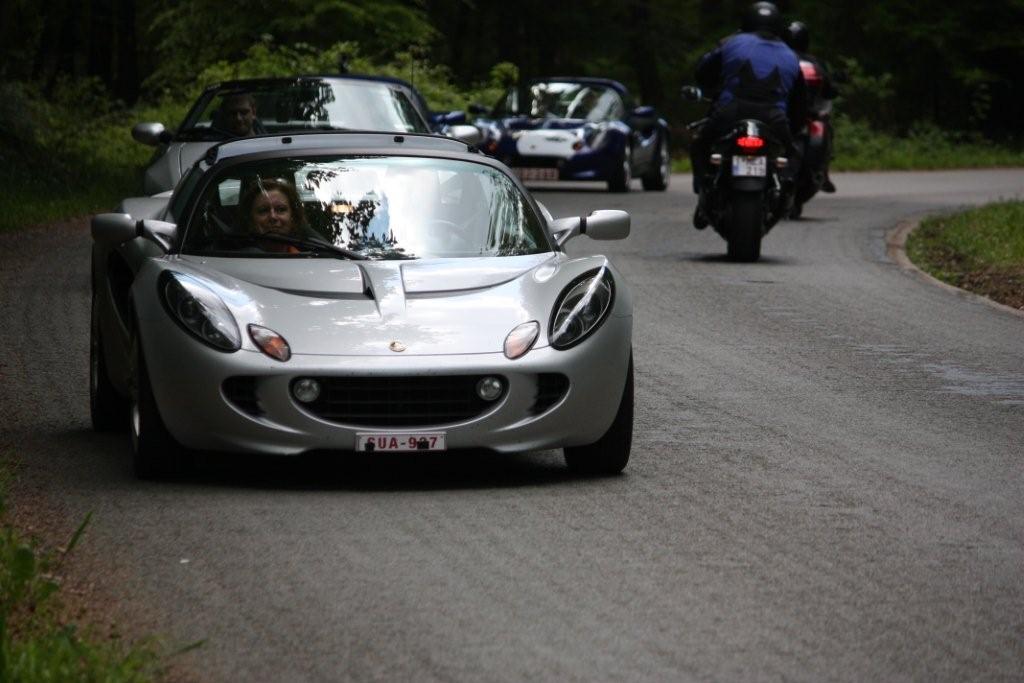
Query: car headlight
point(200, 311)
point(582, 308)
point(597, 136)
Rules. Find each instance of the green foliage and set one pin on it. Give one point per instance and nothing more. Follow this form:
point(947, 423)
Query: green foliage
point(34, 646)
point(205, 32)
point(860, 146)
point(866, 97)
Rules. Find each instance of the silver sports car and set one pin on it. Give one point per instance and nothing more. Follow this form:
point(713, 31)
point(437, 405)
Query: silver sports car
point(359, 292)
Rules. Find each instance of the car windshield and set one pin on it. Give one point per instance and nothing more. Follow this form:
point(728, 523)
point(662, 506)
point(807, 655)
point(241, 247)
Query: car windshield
point(563, 100)
point(379, 207)
point(299, 105)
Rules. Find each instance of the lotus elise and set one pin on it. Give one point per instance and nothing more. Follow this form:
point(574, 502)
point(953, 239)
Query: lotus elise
point(357, 292)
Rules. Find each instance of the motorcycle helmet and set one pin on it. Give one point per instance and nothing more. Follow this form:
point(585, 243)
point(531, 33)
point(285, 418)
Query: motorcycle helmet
point(797, 36)
point(763, 17)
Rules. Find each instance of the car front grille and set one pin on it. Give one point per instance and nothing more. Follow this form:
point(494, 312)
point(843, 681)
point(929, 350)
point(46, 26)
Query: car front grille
point(400, 401)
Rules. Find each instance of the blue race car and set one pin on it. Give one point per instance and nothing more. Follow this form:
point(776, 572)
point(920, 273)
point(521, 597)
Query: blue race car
point(577, 129)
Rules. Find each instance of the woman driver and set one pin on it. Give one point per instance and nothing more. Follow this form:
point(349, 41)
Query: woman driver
point(273, 207)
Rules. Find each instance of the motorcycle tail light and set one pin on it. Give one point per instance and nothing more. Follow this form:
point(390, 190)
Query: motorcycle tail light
point(811, 75)
point(750, 142)
point(817, 129)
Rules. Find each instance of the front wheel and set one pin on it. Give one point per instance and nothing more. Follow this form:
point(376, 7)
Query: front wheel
point(609, 454)
point(746, 226)
point(658, 177)
point(623, 174)
point(154, 451)
point(106, 407)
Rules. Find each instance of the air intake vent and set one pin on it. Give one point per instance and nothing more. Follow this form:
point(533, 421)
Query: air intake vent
point(551, 387)
point(241, 392)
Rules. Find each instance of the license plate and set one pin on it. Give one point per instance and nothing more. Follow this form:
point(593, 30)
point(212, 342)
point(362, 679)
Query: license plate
point(750, 166)
point(375, 442)
point(529, 173)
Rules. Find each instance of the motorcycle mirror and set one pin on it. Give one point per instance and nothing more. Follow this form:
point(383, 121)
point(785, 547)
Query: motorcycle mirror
point(692, 93)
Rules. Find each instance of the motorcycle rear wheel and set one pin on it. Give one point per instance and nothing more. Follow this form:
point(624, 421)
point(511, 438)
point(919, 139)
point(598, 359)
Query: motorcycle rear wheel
point(746, 226)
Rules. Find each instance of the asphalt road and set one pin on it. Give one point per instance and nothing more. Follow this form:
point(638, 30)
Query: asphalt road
point(827, 482)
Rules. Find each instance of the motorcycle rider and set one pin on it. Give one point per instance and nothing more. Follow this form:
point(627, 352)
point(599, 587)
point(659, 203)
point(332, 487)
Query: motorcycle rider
point(799, 39)
point(756, 75)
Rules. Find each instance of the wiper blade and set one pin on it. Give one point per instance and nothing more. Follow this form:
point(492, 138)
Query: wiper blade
point(304, 242)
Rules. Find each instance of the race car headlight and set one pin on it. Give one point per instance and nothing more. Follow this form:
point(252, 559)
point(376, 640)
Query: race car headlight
point(597, 136)
point(196, 308)
point(582, 308)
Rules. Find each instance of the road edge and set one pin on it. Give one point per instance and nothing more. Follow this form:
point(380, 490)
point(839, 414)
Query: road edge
point(895, 247)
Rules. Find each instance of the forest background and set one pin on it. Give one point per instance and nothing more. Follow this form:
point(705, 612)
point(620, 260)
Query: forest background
point(928, 85)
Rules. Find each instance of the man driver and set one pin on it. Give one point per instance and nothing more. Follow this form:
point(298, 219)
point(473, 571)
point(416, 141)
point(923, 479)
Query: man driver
point(237, 115)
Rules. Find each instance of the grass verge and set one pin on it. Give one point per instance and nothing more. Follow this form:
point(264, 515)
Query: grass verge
point(980, 250)
point(36, 644)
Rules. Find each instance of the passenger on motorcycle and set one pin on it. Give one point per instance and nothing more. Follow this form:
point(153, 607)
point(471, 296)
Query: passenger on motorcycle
point(756, 76)
point(820, 92)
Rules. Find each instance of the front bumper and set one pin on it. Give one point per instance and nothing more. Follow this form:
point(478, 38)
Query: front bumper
point(187, 379)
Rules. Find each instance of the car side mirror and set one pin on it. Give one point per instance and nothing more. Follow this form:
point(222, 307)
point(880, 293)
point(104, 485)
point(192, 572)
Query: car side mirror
point(478, 109)
point(469, 134)
point(151, 134)
point(604, 224)
point(114, 229)
point(692, 93)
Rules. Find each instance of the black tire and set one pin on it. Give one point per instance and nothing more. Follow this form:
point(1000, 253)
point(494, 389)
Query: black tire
point(746, 226)
point(796, 211)
point(657, 178)
point(623, 175)
point(155, 453)
point(609, 454)
point(107, 408)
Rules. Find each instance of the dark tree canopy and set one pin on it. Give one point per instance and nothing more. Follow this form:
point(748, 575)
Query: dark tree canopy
point(952, 64)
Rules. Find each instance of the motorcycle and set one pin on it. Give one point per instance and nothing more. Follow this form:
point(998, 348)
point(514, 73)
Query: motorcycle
point(814, 141)
point(744, 193)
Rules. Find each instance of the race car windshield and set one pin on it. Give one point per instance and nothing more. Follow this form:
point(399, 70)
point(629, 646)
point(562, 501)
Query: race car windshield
point(560, 100)
point(368, 207)
point(301, 105)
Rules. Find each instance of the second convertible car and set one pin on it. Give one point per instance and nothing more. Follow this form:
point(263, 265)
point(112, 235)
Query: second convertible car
point(259, 106)
point(361, 292)
point(578, 129)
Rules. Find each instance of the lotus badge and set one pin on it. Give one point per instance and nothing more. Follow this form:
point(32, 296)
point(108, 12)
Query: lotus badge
point(396, 346)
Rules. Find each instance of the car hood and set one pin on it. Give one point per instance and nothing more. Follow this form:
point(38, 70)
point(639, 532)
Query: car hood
point(357, 308)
